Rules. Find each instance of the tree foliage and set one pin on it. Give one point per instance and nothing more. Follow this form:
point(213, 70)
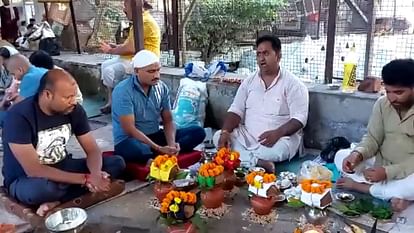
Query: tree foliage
point(216, 25)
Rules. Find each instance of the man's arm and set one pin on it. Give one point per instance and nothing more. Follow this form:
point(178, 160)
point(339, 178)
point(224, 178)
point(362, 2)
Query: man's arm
point(127, 48)
point(93, 153)
point(169, 127)
point(298, 104)
point(27, 157)
point(128, 125)
point(371, 141)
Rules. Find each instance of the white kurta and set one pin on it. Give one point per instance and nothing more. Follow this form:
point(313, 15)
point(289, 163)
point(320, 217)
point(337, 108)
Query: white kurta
point(264, 109)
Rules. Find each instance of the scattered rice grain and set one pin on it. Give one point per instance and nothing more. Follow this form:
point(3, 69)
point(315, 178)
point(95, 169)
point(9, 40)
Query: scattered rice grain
point(214, 213)
point(153, 203)
point(251, 216)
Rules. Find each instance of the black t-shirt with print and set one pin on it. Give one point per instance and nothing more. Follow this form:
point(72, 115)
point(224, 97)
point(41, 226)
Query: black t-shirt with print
point(25, 123)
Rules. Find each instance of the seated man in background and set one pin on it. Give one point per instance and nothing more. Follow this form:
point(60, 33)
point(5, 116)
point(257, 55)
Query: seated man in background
point(37, 169)
point(383, 163)
point(114, 70)
point(42, 59)
point(25, 83)
point(139, 102)
point(265, 121)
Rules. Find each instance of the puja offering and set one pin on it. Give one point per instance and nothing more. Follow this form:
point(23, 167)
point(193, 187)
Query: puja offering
point(209, 180)
point(263, 186)
point(316, 193)
point(163, 169)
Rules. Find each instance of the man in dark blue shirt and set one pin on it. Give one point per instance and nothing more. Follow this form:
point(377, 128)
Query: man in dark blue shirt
point(37, 169)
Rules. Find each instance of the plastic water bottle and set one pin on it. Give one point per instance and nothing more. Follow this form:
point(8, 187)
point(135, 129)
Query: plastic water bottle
point(350, 68)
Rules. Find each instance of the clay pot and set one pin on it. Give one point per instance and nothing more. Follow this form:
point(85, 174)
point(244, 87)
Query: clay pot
point(161, 189)
point(212, 198)
point(261, 205)
point(185, 228)
point(229, 179)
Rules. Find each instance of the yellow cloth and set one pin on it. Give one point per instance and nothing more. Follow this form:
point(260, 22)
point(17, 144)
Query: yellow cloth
point(390, 139)
point(152, 35)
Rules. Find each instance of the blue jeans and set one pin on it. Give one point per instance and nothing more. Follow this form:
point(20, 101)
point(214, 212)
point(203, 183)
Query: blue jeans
point(36, 191)
point(133, 150)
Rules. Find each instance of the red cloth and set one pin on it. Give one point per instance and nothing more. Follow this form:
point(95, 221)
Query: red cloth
point(141, 171)
point(9, 28)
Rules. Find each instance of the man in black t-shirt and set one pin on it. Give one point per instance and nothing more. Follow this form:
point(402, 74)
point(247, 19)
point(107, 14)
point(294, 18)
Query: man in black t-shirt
point(37, 169)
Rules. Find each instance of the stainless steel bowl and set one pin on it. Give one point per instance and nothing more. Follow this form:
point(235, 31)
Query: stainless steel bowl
point(316, 216)
point(345, 197)
point(69, 220)
point(257, 169)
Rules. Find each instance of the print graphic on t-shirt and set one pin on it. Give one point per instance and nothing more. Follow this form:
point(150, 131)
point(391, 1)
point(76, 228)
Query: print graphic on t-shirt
point(51, 146)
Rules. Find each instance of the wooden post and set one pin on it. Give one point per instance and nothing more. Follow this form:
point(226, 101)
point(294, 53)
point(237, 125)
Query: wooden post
point(75, 27)
point(138, 24)
point(330, 42)
point(176, 46)
point(46, 11)
point(369, 48)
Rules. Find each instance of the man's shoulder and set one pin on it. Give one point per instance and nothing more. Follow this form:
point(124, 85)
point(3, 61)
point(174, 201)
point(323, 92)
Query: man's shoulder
point(383, 102)
point(124, 84)
point(23, 107)
point(36, 72)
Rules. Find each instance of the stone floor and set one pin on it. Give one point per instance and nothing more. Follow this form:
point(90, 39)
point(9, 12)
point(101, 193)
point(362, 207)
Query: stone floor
point(130, 212)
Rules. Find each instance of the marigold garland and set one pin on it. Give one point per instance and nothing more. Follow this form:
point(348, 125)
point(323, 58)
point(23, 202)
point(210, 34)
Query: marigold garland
point(177, 197)
point(226, 152)
point(161, 159)
point(267, 178)
point(210, 170)
point(309, 186)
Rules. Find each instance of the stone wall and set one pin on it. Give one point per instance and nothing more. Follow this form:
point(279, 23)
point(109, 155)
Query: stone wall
point(331, 114)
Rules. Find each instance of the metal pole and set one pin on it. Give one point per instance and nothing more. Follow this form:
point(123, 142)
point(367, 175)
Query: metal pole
point(369, 48)
point(138, 24)
point(330, 46)
point(75, 27)
point(176, 47)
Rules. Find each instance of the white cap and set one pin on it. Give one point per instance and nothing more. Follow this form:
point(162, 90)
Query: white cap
point(11, 50)
point(144, 58)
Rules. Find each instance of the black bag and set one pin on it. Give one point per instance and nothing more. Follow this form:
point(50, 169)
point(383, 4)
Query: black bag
point(333, 146)
point(50, 45)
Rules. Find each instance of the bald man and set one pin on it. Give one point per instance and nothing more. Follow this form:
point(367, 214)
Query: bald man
point(37, 169)
point(27, 76)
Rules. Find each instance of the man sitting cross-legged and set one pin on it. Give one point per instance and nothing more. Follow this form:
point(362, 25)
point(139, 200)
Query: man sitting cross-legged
point(139, 103)
point(37, 169)
point(265, 121)
point(383, 163)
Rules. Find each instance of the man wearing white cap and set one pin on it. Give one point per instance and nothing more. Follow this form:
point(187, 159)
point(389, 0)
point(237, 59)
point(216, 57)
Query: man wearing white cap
point(139, 102)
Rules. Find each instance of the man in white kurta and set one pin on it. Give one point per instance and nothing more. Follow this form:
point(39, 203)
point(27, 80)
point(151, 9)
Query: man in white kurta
point(265, 121)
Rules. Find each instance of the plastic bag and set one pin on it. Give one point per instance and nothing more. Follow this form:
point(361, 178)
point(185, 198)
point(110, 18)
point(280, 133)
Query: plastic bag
point(190, 104)
point(315, 171)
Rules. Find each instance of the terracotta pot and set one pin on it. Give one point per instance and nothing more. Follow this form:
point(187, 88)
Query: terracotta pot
point(185, 228)
point(212, 198)
point(229, 179)
point(261, 205)
point(161, 189)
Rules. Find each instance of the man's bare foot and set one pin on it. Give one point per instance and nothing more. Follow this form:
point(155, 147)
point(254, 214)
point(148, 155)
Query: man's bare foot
point(348, 183)
point(106, 109)
point(46, 207)
point(269, 166)
point(398, 205)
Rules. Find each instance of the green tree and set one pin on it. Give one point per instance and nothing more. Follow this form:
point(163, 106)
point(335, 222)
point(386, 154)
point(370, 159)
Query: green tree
point(216, 25)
